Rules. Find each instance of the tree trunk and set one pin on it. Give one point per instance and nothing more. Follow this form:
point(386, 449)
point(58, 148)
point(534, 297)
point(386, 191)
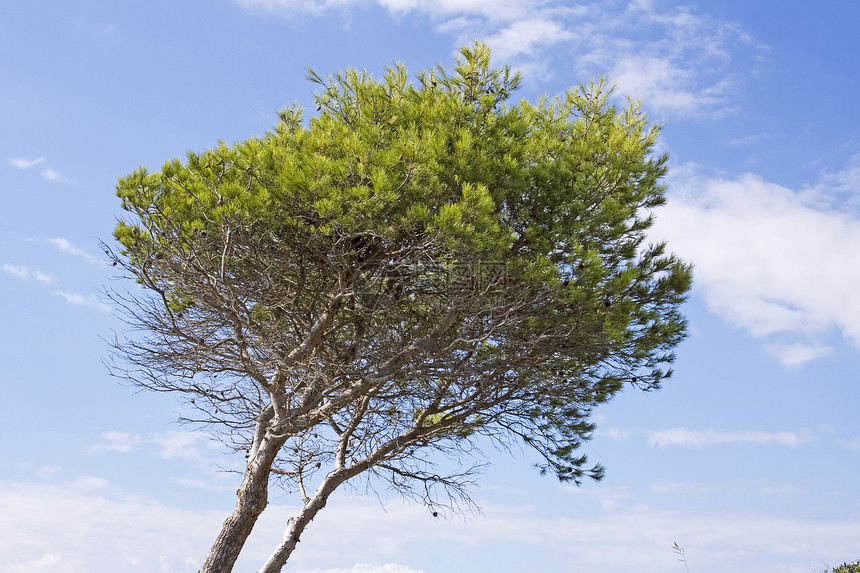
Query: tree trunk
point(253, 497)
point(296, 525)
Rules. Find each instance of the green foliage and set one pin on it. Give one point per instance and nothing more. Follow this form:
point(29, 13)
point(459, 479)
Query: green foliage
point(366, 211)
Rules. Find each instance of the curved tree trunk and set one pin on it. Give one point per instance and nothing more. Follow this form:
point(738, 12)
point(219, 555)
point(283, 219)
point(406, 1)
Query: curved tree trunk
point(296, 525)
point(253, 497)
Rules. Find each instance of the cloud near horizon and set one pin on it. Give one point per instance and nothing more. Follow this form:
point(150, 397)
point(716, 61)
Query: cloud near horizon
point(367, 568)
point(86, 524)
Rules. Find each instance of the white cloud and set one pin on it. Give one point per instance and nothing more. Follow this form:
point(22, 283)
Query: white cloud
point(797, 354)
point(732, 489)
point(675, 488)
point(666, 86)
point(688, 65)
point(167, 445)
point(81, 300)
point(690, 437)
point(121, 442)
point(291, 8)
point(19, 272)
point(774, 262)
point(617, 433)
point(25, 273)
point(839, 190)
point(179, 444)
point(48, 173)
point(87, 484)
point(493, 9)
point(52, 175)
point(45, 562)
point(79, 526)
point(367, 568)
point(780, 490)
point(42, 277)
point(23, 163)
point(677, 61)
point(66, 246)
point(190, 482)
point(609, 498)
point(687, 437)
point(504, 10)
point(68, 529)
point(525, 36)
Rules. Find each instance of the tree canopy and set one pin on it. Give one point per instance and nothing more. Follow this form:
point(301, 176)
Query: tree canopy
point(420, 266)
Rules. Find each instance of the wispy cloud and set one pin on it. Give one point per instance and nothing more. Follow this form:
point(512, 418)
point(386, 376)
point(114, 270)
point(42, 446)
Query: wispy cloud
point(687, 437)
point(67, 246)
point(48, 173)
point(84, 300)
point(23, 163)
point(185, 445)
point(191, 483)
point(25, 273)
point(618, 433)
point(166, 445)
point(56, 177)
point(674, 488)
point(367, 568)
point(527, 37)
point(678, 61)
point(691, 437)
point(501, 10)
point(44, 562)
point(797, 354)
point(839, 191)
point(291, 8)
point(710, 490)
point(88, 483)
point(120, 442)
point(95, 30)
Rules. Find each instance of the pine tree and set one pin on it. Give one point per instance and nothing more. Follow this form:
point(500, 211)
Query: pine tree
point(420, 267)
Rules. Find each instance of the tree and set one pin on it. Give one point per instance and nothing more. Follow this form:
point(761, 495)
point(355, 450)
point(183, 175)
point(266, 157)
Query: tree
point(418, 269)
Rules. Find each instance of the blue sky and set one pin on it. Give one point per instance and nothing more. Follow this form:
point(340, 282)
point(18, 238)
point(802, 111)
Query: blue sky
point(748, 459)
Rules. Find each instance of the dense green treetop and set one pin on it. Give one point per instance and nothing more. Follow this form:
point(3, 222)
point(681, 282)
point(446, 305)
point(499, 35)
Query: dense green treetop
point(419, 264)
